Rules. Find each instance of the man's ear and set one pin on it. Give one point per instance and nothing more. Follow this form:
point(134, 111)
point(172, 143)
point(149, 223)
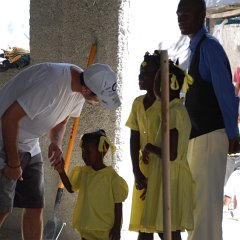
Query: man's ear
point(202, 17)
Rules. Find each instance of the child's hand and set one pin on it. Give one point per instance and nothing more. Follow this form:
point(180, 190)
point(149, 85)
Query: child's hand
point(140, 180)
point(143, 195)
point(145, 154)
point(150, 148)
point(60, 166)
point(115, 233)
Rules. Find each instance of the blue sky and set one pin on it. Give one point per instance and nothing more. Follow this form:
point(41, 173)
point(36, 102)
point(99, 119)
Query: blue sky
point(14, 23)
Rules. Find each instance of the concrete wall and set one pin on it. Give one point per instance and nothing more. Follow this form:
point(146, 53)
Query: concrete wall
point(63, 31)
point(230, 39)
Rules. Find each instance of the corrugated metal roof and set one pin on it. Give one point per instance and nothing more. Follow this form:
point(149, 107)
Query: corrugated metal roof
point(219, 3)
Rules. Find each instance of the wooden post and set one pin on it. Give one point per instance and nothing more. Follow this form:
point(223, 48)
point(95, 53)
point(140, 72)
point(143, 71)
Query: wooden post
point(165, 144)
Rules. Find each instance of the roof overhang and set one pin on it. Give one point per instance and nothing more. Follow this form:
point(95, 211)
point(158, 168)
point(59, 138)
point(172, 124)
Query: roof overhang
point(223, 11)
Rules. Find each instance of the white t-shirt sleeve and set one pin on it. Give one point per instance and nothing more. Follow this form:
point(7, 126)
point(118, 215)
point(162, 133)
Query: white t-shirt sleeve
point(76, 111)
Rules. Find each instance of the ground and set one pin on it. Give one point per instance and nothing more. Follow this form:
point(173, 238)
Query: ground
point(230, 231)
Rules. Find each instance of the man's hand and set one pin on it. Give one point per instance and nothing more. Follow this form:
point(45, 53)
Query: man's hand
point(234, 145)
point(13, 173)
point(55, 154)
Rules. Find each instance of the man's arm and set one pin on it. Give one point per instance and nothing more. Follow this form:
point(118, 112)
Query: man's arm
point(218, 66)
point(55, 148)
point(10, 122)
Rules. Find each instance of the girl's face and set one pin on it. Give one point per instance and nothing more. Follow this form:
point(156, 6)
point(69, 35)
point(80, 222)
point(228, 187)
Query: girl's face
point(146, 76)
point(90, 154)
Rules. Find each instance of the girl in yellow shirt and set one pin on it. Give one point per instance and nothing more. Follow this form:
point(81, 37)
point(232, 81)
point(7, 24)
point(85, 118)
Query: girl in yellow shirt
point(145, 123)
point(98, 210)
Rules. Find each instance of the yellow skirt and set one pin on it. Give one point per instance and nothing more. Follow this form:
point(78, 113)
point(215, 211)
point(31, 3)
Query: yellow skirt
point(149, 217)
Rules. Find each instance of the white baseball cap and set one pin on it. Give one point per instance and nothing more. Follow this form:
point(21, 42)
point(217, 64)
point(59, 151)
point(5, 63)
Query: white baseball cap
point(102, 81)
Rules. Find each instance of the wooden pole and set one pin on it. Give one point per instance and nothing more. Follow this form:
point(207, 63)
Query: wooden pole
point(165, 144)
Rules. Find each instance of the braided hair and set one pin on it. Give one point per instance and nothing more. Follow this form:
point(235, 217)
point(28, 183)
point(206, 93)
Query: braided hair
point(93, 137)
point(155, 60)
point(151, 59)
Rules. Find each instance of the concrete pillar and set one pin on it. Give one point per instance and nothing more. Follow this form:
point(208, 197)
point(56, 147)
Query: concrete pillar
point(63, 31)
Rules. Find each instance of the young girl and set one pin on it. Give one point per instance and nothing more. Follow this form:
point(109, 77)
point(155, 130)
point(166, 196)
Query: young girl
point(98, 211)
point(151, 218)
point(144, 122)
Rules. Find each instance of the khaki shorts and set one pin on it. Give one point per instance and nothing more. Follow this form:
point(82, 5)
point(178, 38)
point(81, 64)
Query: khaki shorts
point(28, 193)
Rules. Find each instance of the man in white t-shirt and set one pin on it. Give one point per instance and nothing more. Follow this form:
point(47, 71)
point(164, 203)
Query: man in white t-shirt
point(40, 100)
